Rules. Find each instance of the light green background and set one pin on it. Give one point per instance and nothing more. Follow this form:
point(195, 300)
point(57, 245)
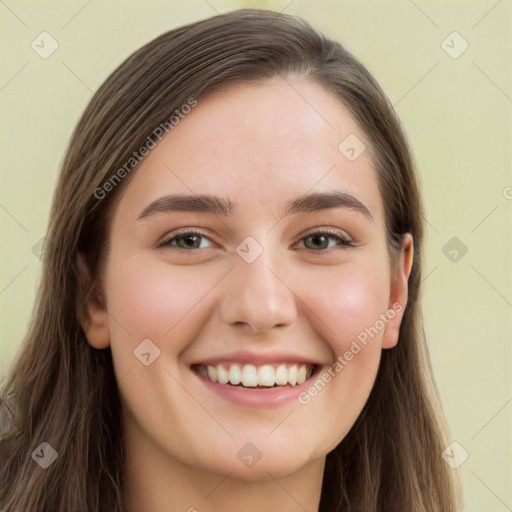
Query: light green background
point(457, 113)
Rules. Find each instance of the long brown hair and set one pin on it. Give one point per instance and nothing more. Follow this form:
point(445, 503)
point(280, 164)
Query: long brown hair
point(65, 392)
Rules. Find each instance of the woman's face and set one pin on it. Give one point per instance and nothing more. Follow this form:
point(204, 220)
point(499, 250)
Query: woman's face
point(248, 286)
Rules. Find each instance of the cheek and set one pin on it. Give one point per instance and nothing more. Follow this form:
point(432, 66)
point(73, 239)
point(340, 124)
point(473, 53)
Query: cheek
point(347, 309)
point(349, 301)
point(148, 300)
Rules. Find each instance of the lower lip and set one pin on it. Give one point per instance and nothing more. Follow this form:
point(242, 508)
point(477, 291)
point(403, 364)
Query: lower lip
point(257, 397)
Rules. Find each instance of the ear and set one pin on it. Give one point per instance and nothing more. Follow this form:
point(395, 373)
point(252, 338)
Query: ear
point(401, 269)
point(92, 313)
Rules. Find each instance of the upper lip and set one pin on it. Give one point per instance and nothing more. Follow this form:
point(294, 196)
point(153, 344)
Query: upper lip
point(258, 358)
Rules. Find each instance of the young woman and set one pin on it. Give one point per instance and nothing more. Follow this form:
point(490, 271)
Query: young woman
point(229, 313)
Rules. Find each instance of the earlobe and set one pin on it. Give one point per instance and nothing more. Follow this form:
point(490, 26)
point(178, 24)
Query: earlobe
point(92, 313)
point(399, 291)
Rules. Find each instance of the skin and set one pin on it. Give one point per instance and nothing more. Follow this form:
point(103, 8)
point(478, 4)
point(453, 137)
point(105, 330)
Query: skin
point(260, 146)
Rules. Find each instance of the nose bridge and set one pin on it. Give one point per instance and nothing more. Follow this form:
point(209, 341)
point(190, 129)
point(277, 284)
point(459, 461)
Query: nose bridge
point(256, 295)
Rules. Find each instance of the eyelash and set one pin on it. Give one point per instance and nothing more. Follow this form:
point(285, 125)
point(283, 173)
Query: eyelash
point(342, 241)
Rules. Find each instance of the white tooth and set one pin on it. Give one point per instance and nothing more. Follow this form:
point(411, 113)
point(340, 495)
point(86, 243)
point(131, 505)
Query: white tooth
point(292, 374)
point(249, 376)
point(266, 376)
point(212, 373)
point(222, 374)
point(281, 377)
point(235, 374)
point(301, 374)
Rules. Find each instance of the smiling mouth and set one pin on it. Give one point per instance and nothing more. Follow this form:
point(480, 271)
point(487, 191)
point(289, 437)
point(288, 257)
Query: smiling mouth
point(256, 376)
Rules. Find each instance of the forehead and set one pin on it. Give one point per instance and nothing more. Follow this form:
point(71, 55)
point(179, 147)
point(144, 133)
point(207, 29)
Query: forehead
point(260, 145)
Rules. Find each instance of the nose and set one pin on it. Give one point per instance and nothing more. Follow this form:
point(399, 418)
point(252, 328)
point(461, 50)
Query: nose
point(255, 295)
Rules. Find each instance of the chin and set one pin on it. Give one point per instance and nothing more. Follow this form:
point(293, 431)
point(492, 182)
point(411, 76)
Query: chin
point(251, 464)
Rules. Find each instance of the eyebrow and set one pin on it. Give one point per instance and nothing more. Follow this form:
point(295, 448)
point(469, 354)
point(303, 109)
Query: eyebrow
point(222, 206)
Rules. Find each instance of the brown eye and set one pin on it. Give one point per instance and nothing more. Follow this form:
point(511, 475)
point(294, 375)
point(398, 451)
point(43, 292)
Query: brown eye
point(322, 241)
point(186, 240)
